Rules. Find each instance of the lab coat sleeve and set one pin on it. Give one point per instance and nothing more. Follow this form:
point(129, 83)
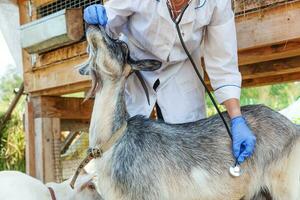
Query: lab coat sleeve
point(220, 53)
point(118, 13)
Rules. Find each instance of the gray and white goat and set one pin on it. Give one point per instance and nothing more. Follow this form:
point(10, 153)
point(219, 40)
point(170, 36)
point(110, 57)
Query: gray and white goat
point(158, 161)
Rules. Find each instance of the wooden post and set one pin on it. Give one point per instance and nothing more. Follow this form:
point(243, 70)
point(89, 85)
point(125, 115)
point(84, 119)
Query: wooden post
point(46, 132)
point(29, 139)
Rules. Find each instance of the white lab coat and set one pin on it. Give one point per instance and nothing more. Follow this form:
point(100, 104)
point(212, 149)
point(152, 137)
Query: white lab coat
point(151, 34)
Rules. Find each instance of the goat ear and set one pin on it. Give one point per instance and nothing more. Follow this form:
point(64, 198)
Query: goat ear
point(145, 65)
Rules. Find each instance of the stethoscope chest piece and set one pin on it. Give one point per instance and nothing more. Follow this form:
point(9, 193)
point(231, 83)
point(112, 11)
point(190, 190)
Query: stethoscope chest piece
point(235, 171)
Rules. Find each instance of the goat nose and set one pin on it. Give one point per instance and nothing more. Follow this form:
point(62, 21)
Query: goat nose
point(82, 71)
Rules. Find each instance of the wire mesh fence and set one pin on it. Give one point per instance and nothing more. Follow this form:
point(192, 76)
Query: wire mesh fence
point(58, 5)
point(73, 149)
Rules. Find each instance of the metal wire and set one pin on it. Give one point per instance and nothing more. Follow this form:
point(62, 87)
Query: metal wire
point(58, 5)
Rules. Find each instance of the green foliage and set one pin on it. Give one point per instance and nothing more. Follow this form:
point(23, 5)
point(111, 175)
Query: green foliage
point(297, 121)
point(12, 146)
point(275, 96)
point(12, 142)
point(8, 83)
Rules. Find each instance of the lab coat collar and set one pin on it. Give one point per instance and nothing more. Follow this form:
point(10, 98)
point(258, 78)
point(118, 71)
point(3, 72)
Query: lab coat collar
point(189, 15)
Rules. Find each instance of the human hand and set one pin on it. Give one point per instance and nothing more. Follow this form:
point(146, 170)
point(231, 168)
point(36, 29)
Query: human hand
point(95, 14)
point(243, 139)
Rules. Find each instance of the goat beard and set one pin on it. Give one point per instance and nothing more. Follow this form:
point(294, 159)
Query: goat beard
point(177, 6)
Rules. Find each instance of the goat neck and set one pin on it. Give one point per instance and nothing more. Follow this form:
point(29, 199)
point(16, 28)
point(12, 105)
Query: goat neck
point(109, 112)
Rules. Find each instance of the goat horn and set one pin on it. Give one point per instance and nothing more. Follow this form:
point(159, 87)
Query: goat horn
point(141, 79)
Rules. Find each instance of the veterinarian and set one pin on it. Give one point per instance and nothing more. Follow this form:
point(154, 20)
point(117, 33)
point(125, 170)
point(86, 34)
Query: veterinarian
point(150, 33)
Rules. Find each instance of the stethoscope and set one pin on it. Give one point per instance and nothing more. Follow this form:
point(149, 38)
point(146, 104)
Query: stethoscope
point(234, 170)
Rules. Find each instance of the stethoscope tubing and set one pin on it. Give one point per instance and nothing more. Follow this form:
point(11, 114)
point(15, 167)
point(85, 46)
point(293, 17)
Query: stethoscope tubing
point(177, 21)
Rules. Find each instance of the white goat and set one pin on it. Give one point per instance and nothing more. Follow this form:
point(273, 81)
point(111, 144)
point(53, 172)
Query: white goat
point(18, 186)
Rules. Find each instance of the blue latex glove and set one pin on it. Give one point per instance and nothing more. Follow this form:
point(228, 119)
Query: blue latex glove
point(95, 14)
point(243, 139)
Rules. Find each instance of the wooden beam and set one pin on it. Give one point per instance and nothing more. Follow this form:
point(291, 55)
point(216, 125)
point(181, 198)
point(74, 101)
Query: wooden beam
point(24, 18)
point(273, 26)
point(62, 107)
point(38, 3)
point(267, 69)
point(267, 53)
point(58, 75)
point(67, 89)
point(270, 72)
point(271, 80)
point(61, 55)
point(282, 67)
point(242, 7)
point(75, 125)
point(263, 69)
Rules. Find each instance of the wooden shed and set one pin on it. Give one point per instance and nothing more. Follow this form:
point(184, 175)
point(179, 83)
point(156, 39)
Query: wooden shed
point(269, 52)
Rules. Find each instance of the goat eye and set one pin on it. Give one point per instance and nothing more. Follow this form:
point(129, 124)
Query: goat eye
point(91, 187)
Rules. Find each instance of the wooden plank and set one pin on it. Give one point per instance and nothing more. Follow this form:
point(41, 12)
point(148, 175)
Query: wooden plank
point(267, 53)
point(62, 107)
point(264, 69)
point(66, 89)
point(270, 72)
point(282, 67)
point(58, 75)
point(61, 55)
point(24, 18)
point(75, 125)
point(45, 129)
point(39, 166)
point(271, 80)
point(273, 26)
point(38, 3)
point(29, 140)
point(242, 6)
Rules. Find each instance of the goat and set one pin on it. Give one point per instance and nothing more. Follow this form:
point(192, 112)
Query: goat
point(153, 160)
point(16, 186)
